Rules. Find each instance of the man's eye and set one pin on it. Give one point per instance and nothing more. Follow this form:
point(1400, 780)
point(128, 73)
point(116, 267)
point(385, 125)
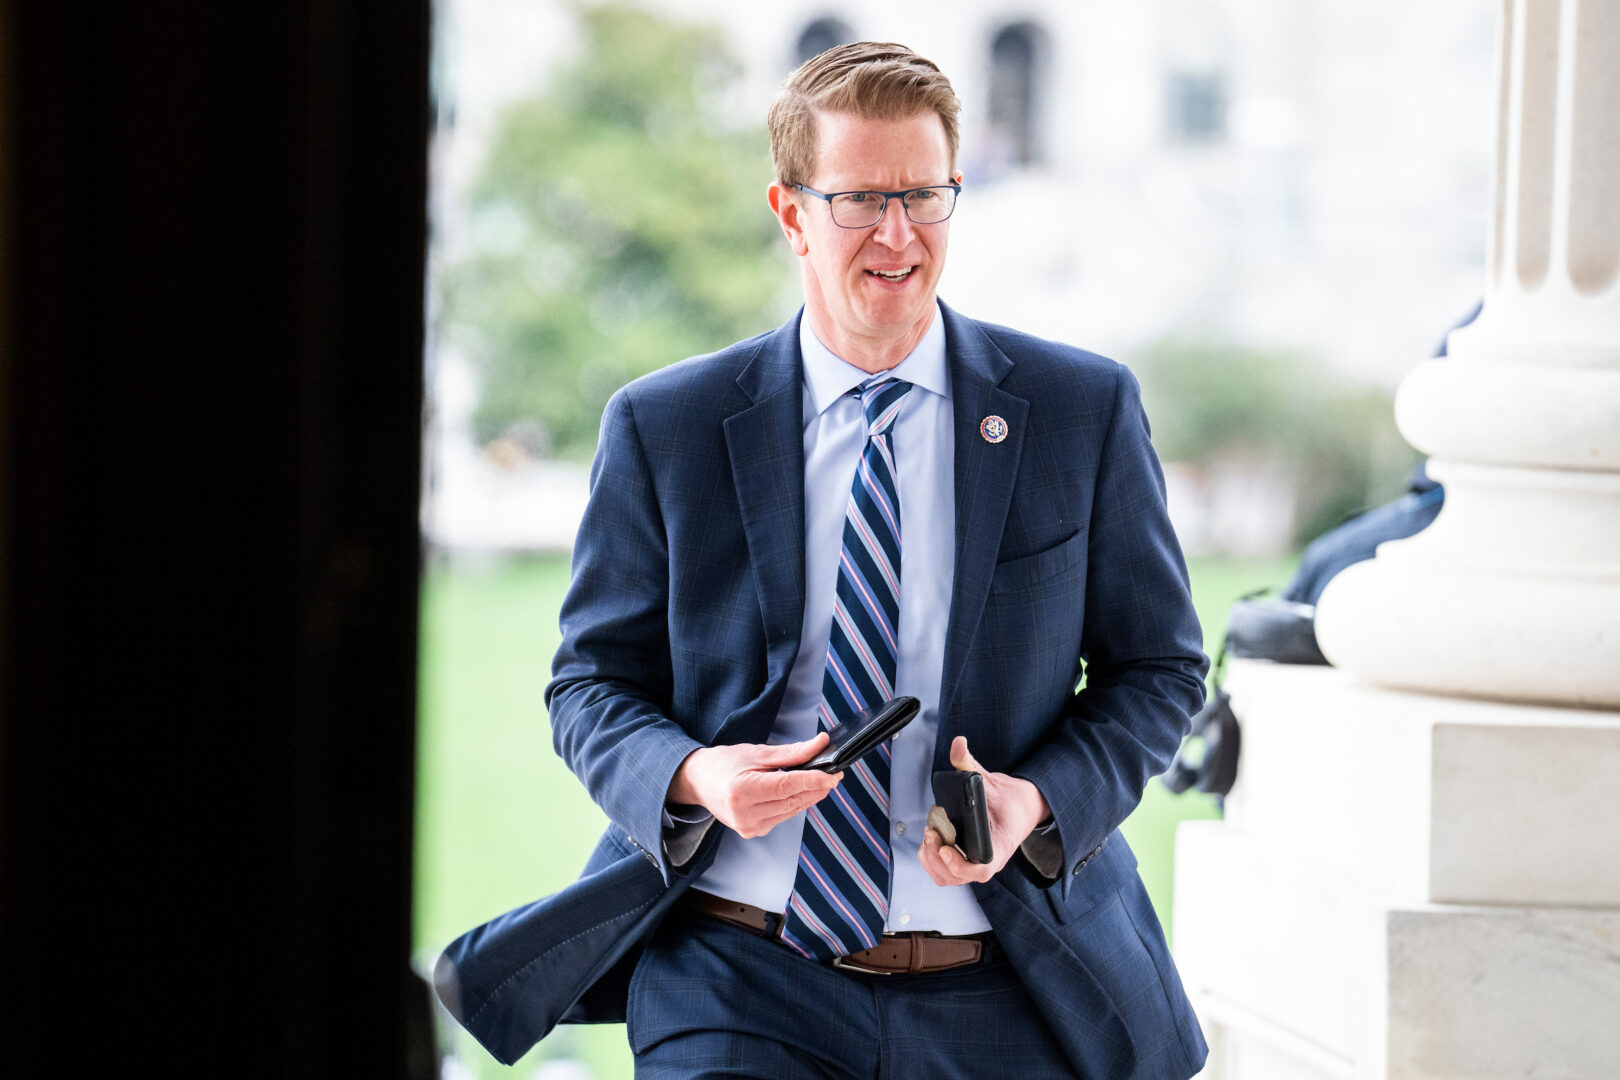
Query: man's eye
point(857, 196)
point(922, 195)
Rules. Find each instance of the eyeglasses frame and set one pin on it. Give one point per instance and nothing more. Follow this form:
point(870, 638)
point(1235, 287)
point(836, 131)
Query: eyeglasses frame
point(828, 197)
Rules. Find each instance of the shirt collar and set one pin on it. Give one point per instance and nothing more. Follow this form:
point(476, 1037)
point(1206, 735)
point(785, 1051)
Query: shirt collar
point(828, 377)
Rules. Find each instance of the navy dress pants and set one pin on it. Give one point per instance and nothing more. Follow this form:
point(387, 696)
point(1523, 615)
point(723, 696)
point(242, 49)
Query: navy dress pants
point(711, 1000)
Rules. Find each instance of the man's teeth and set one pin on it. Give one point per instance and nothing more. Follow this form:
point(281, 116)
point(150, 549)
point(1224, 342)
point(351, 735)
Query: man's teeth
point(893, 275)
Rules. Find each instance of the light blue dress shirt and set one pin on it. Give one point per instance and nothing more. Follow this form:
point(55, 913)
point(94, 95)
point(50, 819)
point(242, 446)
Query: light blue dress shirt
point(761, 870)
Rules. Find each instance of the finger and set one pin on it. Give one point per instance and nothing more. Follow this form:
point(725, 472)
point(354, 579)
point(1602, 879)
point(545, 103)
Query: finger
point(789, 802)
point(928, 855)
point(949, 875)
point(801, 800)
point(749, 789)
point(949, 859)
point(961, 759)
point(961, 869)
point(761, 818)
point(786, 804)
point(777, 785)
point(953, 866)
point(761, 824)
point(791, 753)
point(765, 816)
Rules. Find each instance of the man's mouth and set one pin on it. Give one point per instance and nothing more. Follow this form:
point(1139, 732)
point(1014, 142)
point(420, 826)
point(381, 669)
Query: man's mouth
point(893, 275)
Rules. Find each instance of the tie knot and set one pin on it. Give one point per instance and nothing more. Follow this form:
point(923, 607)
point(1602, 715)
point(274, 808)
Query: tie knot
point(881, 400)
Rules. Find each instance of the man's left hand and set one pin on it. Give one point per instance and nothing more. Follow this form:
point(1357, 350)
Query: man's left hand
point(1015, 807)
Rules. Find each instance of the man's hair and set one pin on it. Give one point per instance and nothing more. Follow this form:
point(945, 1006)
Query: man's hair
point(876, 80)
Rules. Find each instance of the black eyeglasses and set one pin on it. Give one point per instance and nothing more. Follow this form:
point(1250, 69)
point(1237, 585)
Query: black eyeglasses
point(863, 209)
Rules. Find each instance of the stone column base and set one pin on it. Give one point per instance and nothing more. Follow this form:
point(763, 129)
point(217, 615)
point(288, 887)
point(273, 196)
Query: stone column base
point(1299, 973)
point(1406, 887)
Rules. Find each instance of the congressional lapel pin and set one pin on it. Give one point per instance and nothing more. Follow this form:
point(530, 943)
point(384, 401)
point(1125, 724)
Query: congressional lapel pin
point(993, 428)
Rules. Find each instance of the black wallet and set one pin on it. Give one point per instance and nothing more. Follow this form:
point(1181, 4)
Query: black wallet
point(854, 740)
point(961, 795)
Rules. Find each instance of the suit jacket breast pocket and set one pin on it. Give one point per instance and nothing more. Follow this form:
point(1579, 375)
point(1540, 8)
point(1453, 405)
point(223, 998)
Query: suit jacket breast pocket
point(1030, 571)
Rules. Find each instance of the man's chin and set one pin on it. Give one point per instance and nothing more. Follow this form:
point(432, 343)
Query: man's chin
point(895, 319)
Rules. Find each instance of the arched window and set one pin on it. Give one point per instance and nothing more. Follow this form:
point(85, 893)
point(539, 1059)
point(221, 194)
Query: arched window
point(1198, 56)
point(1197, 104)
point(819, 36)
point(1017, 79)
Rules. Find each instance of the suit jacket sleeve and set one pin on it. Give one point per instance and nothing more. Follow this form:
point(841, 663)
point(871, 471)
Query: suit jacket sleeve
point(1142, 647)
point(612, 674)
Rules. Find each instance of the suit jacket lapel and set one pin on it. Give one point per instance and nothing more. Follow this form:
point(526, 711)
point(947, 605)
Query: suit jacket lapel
point(985, 473)
point(766, 446)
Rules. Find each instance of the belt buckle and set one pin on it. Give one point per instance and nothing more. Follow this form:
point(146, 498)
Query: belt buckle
point(842, 963)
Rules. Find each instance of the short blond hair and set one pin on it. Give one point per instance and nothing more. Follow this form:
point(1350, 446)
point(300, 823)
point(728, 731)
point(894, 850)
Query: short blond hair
point(876, 80)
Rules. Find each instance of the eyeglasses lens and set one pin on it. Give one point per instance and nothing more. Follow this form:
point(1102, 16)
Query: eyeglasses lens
point(924, 206)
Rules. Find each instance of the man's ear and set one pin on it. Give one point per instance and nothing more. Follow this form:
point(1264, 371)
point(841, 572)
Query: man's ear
point(784, 202)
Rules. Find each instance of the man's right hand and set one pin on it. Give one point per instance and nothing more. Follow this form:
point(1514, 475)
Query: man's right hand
point(744, 786)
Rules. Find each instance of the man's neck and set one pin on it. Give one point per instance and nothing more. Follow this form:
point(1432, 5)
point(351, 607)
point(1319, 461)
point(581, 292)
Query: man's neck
point(871, 355)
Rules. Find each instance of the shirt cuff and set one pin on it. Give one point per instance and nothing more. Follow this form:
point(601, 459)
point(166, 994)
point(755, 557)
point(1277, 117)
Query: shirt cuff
point(1044, 849)
point(685, 826)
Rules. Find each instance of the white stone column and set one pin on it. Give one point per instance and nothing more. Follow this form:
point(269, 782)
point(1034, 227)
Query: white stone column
point(1418, 875)
point(1514, 592)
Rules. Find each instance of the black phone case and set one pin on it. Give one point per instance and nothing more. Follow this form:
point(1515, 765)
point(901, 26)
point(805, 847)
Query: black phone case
point(852, 741)
point(961, 794)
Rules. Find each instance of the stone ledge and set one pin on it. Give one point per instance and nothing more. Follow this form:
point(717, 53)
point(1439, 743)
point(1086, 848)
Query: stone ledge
point(1283, 953)
point(1432, 799)
point(1282, 938)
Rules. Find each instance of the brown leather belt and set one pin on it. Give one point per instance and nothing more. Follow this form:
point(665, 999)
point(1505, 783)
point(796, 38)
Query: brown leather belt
point(911, 953)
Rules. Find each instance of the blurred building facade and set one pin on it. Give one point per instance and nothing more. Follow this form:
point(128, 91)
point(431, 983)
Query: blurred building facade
point(1276, 175)
point(1310, 176)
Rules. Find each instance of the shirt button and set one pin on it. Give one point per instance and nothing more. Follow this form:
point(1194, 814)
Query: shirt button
point(905, 919)
point(900, 828)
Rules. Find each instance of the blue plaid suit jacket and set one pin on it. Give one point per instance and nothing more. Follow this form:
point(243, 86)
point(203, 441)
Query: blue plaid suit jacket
point(683, 620)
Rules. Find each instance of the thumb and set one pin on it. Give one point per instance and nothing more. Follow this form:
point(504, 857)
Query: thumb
point(961, 759)
point(793, 753)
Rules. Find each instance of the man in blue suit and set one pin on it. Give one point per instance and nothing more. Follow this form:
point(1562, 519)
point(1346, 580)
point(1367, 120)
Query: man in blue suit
point(880, 498)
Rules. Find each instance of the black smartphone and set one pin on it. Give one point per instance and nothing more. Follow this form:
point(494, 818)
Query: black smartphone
point(858, 737)
point(961, 796)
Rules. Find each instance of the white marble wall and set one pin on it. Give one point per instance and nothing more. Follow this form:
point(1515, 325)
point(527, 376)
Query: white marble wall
point(1298, 970)
point(1433, 799)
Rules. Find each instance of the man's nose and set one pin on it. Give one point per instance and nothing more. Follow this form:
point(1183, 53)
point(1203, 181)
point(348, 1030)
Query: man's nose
point(894, 228)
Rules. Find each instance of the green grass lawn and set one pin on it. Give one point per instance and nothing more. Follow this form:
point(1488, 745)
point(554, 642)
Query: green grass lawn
point(500, 821)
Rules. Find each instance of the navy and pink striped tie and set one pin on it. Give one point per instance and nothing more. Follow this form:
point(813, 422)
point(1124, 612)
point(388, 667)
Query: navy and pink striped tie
point(840, 897)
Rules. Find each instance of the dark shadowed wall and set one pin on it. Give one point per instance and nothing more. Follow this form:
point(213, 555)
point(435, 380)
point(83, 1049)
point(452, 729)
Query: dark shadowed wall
point(212, 240)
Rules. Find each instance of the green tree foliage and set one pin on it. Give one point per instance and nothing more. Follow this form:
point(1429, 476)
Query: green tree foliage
point(618, 224)
point(1212, 401)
